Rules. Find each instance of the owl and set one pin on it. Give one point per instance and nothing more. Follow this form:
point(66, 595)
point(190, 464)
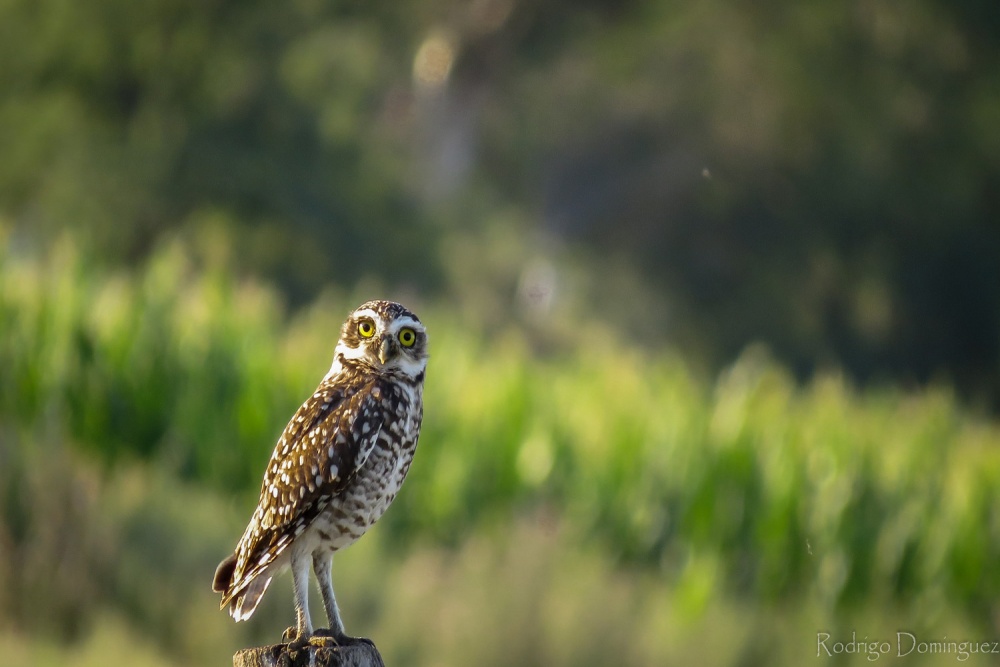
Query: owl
point(337, 466)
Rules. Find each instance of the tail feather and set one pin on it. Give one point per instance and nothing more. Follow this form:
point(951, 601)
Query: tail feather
point(241, 602)
point(243, 605)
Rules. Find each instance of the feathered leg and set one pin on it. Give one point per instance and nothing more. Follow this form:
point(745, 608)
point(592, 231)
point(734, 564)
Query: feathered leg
point(323, 566)
point(300, 585)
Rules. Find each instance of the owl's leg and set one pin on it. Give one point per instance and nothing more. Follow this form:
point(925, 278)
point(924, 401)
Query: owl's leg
point(300, 586)
point(323, 566)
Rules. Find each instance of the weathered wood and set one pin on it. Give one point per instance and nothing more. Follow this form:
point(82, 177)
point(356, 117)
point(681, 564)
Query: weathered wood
point(319, 652)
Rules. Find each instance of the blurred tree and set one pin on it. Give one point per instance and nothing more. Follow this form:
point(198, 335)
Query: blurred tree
point(821, 177)
point(818, 176)
point(127, 120)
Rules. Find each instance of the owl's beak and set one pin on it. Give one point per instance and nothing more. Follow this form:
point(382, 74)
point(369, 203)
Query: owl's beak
point(384, 349)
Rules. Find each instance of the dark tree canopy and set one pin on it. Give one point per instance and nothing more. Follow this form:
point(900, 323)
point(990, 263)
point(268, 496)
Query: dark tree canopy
point(819, 176)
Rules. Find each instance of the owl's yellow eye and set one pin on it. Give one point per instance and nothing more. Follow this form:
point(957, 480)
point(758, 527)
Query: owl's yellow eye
point(407, 337)
point(366, 329)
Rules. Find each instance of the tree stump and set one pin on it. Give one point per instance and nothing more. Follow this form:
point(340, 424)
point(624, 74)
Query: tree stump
point(319, 652)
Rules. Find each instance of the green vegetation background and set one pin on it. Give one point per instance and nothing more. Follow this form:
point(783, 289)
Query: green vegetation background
point(599, 209)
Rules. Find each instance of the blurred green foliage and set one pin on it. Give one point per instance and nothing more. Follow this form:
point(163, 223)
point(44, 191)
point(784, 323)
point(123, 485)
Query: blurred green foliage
point(820, 176)
point(126, 396)
point(597, 207)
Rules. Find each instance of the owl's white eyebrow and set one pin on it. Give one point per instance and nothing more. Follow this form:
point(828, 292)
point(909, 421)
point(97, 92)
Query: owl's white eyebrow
point(367, 312)
point(405, 321)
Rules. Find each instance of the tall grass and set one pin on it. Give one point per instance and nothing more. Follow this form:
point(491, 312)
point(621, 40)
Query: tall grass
point(113, 565)
point(751, 489)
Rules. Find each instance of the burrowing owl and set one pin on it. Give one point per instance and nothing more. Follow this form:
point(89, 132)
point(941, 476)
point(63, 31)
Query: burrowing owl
point(338, 464)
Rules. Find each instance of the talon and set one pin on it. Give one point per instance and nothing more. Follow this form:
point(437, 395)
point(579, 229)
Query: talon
point(347, 640)
point(298, 644)
point(295, 640)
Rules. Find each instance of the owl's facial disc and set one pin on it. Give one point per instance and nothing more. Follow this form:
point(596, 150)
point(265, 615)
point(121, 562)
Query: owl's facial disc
point(395, 341)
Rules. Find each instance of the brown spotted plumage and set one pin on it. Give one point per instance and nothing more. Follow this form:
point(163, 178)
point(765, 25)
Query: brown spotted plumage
point(338, 464)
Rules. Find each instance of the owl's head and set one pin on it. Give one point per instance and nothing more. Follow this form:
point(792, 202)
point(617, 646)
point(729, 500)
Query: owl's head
point(385, 336)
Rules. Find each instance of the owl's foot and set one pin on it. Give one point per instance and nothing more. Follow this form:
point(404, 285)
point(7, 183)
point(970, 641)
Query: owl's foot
point(341, 638)
point(296, 641)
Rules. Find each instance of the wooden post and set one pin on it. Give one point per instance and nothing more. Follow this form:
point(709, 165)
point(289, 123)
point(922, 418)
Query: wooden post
point(319, 652)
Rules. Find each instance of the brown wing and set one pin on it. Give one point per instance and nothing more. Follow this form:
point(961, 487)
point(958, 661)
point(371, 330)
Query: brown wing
point(327, 440)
